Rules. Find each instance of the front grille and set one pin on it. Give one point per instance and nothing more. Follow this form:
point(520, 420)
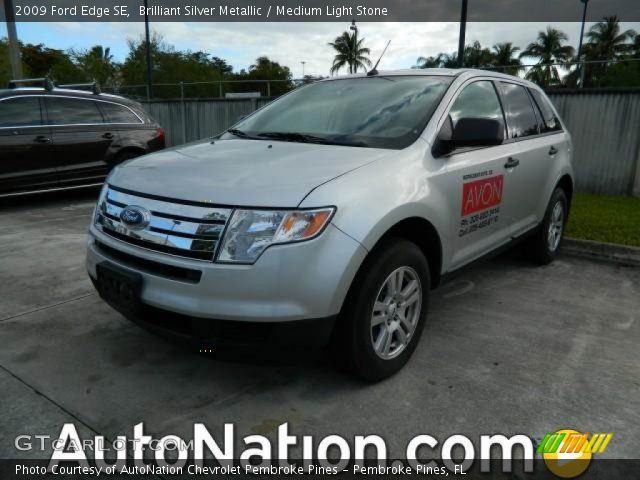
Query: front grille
point(155, 268)
point(181, 229)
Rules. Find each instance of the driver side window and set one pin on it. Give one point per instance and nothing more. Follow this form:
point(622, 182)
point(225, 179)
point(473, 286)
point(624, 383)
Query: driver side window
point(478, 100)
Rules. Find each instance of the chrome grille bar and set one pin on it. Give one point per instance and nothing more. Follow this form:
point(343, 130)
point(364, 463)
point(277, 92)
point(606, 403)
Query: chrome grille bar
point(177, 229)
point(164, 207)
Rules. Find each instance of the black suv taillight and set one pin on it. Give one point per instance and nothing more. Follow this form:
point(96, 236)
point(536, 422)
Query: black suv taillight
point(160, 134)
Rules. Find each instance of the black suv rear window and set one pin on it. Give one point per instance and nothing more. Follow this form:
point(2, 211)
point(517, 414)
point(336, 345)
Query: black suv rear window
point(118, 113)
point(20, 112)
point(72, 111)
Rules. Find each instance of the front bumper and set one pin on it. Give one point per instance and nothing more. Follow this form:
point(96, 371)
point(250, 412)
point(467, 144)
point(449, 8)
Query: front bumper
point(306, 280)
point(228, 335)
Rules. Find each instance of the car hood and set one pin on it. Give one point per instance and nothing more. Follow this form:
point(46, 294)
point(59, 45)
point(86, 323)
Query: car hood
point(241, 172)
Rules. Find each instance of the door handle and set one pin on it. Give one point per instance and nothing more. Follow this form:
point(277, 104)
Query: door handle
point(42, 139)
point(108, 136)
point(553, 150)
point(512, 163)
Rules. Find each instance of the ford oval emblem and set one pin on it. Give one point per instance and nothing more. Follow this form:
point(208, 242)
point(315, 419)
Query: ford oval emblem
point(134, 217)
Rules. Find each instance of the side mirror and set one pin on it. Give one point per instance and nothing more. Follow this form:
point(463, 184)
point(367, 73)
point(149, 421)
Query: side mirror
point(444, 141)
point(468, 132)
point(478, 132)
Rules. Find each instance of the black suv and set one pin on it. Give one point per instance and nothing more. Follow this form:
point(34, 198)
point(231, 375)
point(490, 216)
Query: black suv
point(59, 138)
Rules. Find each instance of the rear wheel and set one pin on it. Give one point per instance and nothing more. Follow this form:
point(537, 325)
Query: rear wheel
point(385, 311)
point(545, 245)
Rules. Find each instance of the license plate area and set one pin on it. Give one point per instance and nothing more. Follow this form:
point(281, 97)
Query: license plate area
point(119, 287)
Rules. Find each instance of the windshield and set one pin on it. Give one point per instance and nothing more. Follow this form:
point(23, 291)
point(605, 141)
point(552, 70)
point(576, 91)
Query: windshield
point(380, 112)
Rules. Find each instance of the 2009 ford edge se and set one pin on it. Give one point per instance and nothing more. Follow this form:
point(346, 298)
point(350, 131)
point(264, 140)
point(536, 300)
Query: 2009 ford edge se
point(329, 214)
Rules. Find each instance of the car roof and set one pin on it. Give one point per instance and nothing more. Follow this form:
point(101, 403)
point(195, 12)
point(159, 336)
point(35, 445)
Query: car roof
point(408, 71)
point(450, 72)
point(9, 92)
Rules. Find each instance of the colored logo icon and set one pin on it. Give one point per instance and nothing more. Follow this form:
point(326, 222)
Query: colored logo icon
point(134, 217)
point(567, 453)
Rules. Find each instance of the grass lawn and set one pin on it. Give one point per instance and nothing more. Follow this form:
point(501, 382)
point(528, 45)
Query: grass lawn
point(605, 219)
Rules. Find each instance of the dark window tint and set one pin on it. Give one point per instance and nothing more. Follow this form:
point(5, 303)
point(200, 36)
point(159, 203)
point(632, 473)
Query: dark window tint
point(478, 100)
point(550, 122)
point(20, 112)
point(69, 111)
point(118, 113)
point(520, 115)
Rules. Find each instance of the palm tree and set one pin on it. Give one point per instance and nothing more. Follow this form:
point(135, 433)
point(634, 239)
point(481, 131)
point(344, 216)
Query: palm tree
point(476, 57)
point(349, 52)
point(503, 56)
point(549, 49)
point(104, 54)
point(635, 48)
point(605, 42)
point(450, 60)
point(430, 62)
point(97, 63)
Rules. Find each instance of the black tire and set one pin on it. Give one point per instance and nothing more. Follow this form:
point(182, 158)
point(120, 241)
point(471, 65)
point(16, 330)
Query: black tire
point(353, 337)
point(539, 248)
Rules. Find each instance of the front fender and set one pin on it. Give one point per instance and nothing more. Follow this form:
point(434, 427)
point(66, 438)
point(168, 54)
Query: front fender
point(375, 198)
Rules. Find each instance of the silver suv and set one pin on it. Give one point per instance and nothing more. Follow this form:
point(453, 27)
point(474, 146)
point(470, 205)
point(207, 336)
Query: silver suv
point(328, 215)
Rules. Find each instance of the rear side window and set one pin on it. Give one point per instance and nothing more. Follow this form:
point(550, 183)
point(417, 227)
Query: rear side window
point(72, 111)
point(477, 100)
point(115, 113)
point(521, 117)
point(550, 122)
point(20, 112)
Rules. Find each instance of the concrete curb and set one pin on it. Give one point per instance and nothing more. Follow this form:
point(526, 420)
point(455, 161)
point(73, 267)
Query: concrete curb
point(611, 252)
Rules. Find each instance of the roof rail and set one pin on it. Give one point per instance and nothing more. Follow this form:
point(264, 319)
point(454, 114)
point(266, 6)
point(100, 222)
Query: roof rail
point(45, 82)
point(95, 86)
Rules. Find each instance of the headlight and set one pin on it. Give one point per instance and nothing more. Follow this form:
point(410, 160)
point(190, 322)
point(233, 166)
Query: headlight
point(250, 232)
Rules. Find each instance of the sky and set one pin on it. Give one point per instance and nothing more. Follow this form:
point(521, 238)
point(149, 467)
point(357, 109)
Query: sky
point(291, 43)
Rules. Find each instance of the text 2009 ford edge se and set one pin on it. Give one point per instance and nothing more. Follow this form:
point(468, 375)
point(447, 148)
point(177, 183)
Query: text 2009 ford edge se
point(329, 214)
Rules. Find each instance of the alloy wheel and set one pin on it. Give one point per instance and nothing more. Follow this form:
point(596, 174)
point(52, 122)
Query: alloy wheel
point(556, 226)
point(396, 312)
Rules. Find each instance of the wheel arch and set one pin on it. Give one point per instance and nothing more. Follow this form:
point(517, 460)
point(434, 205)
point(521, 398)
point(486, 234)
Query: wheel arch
point(117, 157)
point(415, 229)
point(424, 234)
point(565, 182)
point(130, 149)
point(420, 231)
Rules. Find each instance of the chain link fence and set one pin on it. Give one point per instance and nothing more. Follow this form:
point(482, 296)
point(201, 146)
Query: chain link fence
point(214, 89)
point(591, 73)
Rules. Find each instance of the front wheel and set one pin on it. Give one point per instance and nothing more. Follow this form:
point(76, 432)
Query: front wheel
point(545, 244)
point(385, 311)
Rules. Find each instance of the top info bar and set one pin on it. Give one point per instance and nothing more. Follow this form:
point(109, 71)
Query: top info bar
point(316, 10)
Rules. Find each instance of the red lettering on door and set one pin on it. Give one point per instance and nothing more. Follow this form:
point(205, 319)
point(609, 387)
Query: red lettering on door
point(481, 194)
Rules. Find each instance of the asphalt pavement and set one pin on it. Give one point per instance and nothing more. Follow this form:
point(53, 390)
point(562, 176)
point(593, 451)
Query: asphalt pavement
point(509, 348)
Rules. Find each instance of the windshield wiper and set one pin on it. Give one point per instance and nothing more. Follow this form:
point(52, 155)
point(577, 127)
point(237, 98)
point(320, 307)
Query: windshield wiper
point(306, 138)
point(291, 136)
point(239, 133)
